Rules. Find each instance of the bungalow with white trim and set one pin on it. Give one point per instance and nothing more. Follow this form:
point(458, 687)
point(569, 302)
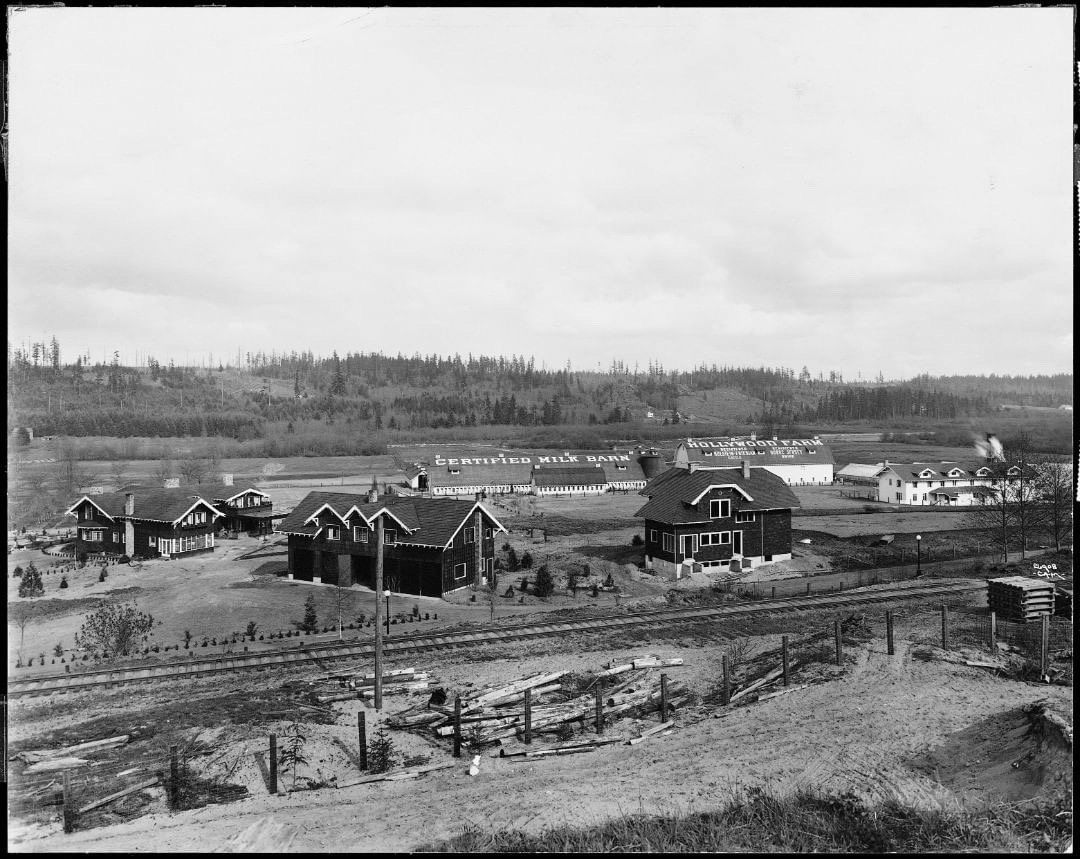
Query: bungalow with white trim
point(431, 546)
point(731, 518)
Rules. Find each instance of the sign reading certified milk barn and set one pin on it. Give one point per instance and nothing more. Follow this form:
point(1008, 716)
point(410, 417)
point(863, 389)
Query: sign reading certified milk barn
point(798, 461)
point(538, 472)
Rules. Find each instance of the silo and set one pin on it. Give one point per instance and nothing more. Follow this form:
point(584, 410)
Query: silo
point(651, 462)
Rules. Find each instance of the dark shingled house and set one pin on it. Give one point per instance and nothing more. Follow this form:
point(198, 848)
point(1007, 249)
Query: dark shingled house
point(146, 522)
point(430, 545)
point(715, 518)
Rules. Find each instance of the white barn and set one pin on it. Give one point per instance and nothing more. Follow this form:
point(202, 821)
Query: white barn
point(798, 462)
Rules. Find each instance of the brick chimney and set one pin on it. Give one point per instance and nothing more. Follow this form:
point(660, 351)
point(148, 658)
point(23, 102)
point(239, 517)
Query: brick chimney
point(226, 479)
point(372, 496)
point(129, 526)
point(129, 504)
point(745, 470)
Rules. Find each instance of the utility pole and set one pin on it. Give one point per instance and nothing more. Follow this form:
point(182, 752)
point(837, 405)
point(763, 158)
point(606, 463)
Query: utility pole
point(378, 611)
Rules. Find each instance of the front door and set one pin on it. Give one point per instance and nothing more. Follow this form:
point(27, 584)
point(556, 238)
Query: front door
point(689, 545)
point(736, 543)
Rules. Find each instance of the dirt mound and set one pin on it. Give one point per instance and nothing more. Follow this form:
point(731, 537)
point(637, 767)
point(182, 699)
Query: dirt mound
point(1016, 755)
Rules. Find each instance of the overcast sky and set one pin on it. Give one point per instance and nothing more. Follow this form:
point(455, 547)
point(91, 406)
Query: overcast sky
point(862, 190)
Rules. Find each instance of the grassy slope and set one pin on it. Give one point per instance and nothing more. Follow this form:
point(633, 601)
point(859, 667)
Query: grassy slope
point(805, 822)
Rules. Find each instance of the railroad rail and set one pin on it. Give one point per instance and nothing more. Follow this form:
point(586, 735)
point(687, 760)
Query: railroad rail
point(421, 642)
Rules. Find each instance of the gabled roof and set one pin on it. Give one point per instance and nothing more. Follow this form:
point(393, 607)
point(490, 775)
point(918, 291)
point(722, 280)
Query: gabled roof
point(859, 469)
point(152, 505)
point(570, 476)
point(224, 492)
point(426, 521)
point(672, 493)
point(909, 472)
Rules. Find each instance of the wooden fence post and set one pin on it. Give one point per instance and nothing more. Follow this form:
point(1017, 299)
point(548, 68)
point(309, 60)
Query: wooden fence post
point(361, 730)
point(839, 646)
point(528, 716)
point(663, 697)
point(174, 778)
point(727, 681)
point(993, 630)
point(599, 712)
point(273, 763)
point(457, 726)
point(784, 652)
point(1044, 650)
point(69, 803)
point(774, 592)
point(808, 587)
point(888, 632)
point(944, 627)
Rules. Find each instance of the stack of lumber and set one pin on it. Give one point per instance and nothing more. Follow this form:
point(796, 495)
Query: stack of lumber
point(398, 681)
point(492, 715)
point(1019, 598)
point(69, 757)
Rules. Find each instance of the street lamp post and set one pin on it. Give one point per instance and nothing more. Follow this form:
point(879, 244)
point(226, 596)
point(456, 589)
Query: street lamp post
point(387, 595)
point(918, 555)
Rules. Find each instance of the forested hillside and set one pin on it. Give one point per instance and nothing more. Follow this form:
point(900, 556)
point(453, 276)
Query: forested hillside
point(358, 395)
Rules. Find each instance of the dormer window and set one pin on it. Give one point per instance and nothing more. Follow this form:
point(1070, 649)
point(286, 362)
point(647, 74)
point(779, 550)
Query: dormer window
point(333, 532)
point(620, 468)
point(360, 534)
point(926, 473)
point(454, 470)
point(389, 536)
point(719, 508)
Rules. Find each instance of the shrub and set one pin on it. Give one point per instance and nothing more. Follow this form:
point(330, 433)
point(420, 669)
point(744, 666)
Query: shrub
point(609, 582)
point(526, 561)
point(595, 590)
point(545, 584)
point(637, 541)
point(115, 629)
point(17, 573)
point(103, 575)
point(63, 582)
point(512, 563)
point(59, 649)
point(124, 559)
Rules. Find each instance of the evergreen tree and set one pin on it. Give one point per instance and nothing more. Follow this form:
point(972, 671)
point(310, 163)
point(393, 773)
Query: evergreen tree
point(30, 584)
point(311, 619)
point(545, 584)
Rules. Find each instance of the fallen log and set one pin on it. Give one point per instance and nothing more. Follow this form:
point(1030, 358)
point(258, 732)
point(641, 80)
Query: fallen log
point(71, 751)
point(769, 695)
point(150, 782)
point(398, 776)
point(646, 734)
point(768, 678)
point(55, 765)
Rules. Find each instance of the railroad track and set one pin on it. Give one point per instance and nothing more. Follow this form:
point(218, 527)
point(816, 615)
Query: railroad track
point(423, 642)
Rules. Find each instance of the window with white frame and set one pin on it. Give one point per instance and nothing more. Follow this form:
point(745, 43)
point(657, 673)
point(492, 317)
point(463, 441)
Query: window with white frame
point(151, 542)
point(719, 508)
point(489, 533)
point(459, 571)
point(669, 542)
point(710, 539)
point(389, 536)
point(360, 534)
point(725, 537)
point(652, 535)
point(470, 535)
point(333, 532)
point(746, 516)
point(118, 537)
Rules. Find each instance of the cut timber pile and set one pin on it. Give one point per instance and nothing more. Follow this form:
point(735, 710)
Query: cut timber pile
point(398, 681)
point(489, 716)
point(1019, 598)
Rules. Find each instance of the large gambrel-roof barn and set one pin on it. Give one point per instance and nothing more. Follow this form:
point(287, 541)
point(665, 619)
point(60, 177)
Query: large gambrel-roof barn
point(796, 461)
